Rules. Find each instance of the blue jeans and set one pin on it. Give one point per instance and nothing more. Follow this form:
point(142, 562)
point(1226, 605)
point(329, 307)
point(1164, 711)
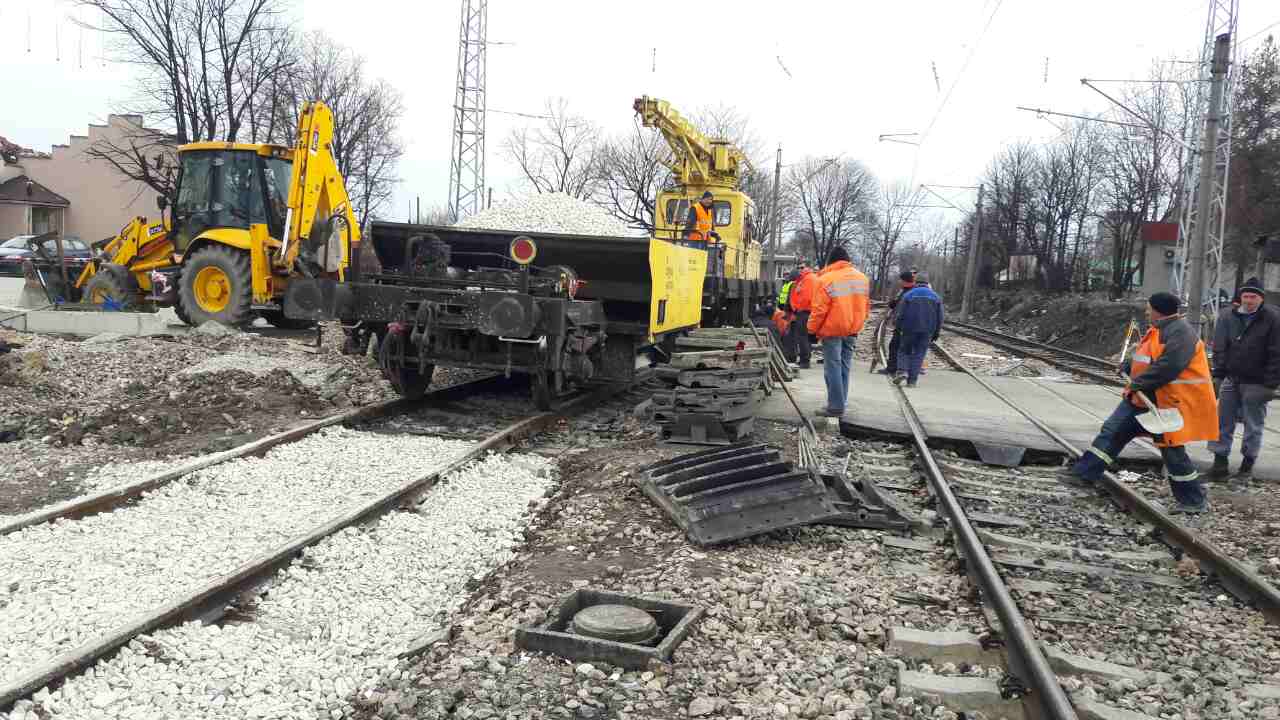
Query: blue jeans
point(1118, 431)
point(911, 351)
point(1235, 399)
point(837, 358)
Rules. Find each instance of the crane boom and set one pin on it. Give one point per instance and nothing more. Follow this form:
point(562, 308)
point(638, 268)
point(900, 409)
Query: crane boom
point(696, 160)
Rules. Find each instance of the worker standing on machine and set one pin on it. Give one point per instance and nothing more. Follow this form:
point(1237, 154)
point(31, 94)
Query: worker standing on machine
point(699, 224)
point(801, 302)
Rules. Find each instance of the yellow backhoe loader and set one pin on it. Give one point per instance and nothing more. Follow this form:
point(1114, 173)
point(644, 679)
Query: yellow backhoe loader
point(244, 220)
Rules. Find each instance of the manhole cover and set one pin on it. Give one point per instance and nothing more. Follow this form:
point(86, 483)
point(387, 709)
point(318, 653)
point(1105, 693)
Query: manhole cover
point(618, 623)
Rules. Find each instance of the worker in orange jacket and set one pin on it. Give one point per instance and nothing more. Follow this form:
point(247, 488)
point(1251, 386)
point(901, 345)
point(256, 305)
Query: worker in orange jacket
point(801, 302)
point(1170, 369)
point(841, 303)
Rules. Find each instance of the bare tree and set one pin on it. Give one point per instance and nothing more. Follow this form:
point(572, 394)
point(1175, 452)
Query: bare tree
point(831, 202)
point(890, 214)
point(366, 117)
point(632, 173)
point(563, 154)
point(197, 80)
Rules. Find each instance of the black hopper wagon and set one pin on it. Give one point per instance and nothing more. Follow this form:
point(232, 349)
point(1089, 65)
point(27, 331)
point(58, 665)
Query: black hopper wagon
point(566, 310)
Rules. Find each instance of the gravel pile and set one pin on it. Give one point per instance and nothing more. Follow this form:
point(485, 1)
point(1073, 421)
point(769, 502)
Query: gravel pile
point(70, 581)
point(548, 213)
point(331, 625)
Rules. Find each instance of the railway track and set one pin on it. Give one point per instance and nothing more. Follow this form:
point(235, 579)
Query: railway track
point(1096, 369)
point(1068, 572)
point(60, 648)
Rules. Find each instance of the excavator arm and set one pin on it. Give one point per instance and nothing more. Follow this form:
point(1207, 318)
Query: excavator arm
point(696, 161)
point(318, 196)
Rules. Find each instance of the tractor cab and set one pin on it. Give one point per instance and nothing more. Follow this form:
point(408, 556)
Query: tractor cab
point(230, 186)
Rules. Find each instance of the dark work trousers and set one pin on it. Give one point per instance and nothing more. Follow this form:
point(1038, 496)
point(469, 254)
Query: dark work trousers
point(891, 360)
point(800, 346)
point(1236, 400)
point(911, 351)
point(1118, 431)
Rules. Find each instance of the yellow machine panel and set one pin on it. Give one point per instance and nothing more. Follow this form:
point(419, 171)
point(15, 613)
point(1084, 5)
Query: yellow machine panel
point(676, 300)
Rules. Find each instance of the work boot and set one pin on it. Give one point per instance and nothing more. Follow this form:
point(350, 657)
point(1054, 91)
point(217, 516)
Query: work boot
point(886, 371)
point(804, 365)
point(899, 378)
point(1185, 509)
point(1220, 469)
point(1245, 473)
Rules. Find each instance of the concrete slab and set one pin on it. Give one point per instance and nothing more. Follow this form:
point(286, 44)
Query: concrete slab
point(89, 323)
point(954, 406)
point(1065, 663)
point(941, 647)
point(15, 293)
point(965, 694)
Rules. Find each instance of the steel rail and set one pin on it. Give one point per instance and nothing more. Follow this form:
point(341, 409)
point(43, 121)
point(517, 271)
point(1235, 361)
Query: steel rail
point(1027, 655)
point(221, 589)
point(1015, 340)
point(1241, 581)
point(1048, 353)
point(112, 498)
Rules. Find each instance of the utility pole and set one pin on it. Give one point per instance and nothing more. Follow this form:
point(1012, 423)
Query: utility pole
point(777, 218)
point(1204, 192)
point(971, 275)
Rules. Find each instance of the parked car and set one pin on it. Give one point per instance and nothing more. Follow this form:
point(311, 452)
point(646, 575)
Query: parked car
point(16, 249)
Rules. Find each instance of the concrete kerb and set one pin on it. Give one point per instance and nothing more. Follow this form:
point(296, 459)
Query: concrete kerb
point(89, 323)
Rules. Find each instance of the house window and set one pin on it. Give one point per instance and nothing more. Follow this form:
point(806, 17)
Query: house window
point(45, 219)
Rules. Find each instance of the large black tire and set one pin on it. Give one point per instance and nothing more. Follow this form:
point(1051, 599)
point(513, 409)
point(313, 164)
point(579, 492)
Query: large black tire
point(277, 319)
point(408, 381)
point(216, 284)
point(181, 312)
point(106, 285)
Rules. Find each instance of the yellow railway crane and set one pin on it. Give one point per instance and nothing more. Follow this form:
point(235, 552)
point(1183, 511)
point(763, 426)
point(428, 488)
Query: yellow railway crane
point(246, 219)
point(700, 164)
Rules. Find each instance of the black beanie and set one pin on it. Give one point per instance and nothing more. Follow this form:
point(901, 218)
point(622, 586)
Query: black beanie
point(838, 254)
point(907, 276)
point(1252, 285)
point(1165, 303)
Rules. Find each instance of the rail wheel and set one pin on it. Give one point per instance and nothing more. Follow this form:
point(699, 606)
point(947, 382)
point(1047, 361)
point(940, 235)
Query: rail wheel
point(216, 285)
point(409, 381)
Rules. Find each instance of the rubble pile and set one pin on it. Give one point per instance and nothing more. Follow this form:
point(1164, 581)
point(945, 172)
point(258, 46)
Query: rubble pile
point(548, 213)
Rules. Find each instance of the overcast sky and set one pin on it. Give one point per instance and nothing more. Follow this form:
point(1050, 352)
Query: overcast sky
point(853, 70)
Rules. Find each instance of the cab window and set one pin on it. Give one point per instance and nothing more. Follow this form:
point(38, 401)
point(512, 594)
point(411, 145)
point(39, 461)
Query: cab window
point(678, 210)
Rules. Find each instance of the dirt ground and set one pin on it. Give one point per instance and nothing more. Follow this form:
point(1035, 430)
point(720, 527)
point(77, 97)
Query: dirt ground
point(69, 405)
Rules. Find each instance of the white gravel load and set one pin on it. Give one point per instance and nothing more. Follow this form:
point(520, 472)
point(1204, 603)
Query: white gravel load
point(548, 213)
point(69, 581)
point(331, 624)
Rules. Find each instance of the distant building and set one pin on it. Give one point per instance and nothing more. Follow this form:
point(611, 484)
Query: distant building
point(69, 190)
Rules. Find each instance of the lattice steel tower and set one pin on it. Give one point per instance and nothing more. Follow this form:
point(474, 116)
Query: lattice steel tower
point(1223, 15)
point(466, 164)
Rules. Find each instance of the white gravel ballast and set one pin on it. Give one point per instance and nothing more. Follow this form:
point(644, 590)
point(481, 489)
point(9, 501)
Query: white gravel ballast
point(548, 213)
point(330, 625)
point(70, 581)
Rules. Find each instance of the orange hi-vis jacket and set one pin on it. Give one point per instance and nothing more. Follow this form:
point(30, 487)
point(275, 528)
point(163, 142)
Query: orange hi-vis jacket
point(782, 321)
point(1190, 393)
point(703, 225)
point(841, 302)
point(802, 291)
